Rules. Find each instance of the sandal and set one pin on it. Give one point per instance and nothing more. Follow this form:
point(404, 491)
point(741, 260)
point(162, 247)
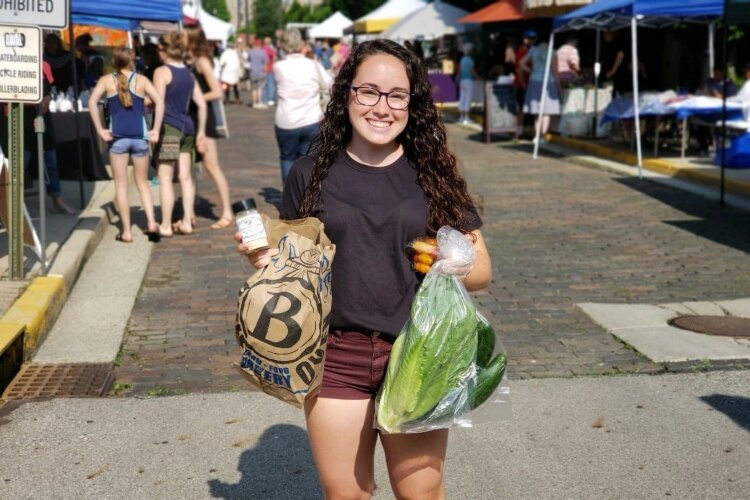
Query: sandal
point(222, 223)
point(178, 229)
point(123, 240)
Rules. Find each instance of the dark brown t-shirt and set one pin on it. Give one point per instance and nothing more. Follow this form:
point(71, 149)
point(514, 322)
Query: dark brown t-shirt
point(370, 214)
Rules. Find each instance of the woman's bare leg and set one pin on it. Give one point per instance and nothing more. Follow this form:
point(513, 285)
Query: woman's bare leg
point(166, 195)
point(140, 173)
point(211, 162)
point(188, 193)
point(119, 165)
point(343, 445)
point(415, 464)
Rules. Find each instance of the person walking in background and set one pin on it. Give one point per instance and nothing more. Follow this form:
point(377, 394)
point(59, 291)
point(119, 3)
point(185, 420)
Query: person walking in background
point(521, 80)
point(230, 71)
point(60, 63)
point(466, 76)
point(198, 59)
point(175, 84)
point(568, 62)
point(617, 64)
point(93, 60)
point(244, 52)
point(535, 62)
point(714, 86)
point(300, 81)
point(127, 134)
point(269, 89)
point(258, 60)
point(379, 175)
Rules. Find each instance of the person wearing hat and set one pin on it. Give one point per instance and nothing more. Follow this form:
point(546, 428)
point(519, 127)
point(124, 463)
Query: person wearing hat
point(535, 62)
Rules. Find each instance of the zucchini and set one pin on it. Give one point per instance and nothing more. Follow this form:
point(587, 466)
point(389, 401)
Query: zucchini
point(485, 342)
point(488, 379)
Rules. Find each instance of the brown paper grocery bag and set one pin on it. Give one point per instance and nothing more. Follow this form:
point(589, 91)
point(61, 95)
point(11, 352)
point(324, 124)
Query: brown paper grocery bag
point(283, 312)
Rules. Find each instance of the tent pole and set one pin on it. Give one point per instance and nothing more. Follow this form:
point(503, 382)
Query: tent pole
point(711, 58)
point(79, 152)
point(597, 71)
point(637, 115)
point(723, 136)
point(543, 99)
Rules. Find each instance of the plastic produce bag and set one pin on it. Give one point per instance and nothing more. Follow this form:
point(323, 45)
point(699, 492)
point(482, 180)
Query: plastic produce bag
point(447, 365)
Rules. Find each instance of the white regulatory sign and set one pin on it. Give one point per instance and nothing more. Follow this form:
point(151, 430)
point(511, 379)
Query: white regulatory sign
point(44, 13)
point(21, 64)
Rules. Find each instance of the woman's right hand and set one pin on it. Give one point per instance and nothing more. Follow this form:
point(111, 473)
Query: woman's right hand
point(258, 258)
point(105, 134)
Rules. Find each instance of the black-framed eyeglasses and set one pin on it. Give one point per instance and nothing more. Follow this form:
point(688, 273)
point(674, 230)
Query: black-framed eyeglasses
point(368, 96)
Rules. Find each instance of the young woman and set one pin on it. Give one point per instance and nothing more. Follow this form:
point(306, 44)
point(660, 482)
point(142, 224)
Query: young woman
point(380, 174)
point(534, 63)
point(127, 135)
point(177, 88)
point(199, 59)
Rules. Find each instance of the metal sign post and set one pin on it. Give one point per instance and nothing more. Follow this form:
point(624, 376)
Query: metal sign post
point(15, 199)
point(21, 82)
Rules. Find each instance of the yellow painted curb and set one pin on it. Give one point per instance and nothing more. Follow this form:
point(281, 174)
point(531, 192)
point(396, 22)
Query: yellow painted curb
point(9, 332)
point(660, 165)
point(36, 309)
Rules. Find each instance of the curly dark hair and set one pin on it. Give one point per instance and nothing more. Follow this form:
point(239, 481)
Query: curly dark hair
point(424, 139)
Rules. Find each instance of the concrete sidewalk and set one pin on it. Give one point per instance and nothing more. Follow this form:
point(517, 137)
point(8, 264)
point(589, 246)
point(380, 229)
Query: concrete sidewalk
point(634, 437)
point(29, 307)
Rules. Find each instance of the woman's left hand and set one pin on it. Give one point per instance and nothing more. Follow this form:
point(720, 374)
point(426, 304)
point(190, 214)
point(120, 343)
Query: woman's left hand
point(200, 143)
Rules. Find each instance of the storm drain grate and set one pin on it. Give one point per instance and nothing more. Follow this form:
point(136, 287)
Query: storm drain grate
point(728, 326)
point(66, 380)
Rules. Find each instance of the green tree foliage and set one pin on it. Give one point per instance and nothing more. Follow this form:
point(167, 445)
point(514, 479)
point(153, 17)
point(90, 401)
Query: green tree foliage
point(217, 8)
point(354, 9)
point(268, 16)
point(299, 13)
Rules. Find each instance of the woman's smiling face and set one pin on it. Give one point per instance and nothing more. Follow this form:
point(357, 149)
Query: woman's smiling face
point(378, 125)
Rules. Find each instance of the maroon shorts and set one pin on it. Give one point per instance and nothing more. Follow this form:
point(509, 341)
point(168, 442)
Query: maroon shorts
point(355, 364)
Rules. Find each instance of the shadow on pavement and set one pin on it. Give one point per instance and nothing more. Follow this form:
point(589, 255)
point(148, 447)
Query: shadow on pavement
point(724, 225)
point(272, 195)
point(279, 466)
point(735, 407)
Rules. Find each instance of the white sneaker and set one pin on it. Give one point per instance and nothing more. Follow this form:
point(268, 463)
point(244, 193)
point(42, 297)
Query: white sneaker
point(271, 103)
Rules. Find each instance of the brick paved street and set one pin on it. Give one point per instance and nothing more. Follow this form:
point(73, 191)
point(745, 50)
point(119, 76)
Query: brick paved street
point(559, 234)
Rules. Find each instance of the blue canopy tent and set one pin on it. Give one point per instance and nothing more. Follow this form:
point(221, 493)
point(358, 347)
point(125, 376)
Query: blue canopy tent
point(121, 13)
point(125, 16)
point(614, 14)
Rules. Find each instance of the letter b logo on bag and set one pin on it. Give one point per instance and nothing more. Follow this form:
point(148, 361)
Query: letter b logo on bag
point(282, 318)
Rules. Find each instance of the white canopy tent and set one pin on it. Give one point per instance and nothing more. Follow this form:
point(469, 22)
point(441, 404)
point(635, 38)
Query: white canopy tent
point(332, 27)
point(614, 14)
point(387, 14)
point(434, 20)
point(214, 28)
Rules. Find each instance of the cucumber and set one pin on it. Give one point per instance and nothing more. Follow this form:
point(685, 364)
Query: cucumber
point(485, 342)
point(488, 379)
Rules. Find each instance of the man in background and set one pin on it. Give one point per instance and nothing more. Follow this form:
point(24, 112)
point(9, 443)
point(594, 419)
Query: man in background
point(93, 60)
point(258, 63)
point(269, 90)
